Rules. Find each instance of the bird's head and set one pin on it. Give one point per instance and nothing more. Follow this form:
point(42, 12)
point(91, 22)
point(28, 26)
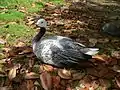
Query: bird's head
point(42, 23)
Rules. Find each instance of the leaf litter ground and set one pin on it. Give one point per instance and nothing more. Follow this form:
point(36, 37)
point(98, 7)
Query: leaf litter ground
point(23, 68)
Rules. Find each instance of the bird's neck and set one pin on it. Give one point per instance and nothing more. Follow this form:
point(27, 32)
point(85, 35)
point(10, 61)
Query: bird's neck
point(39, 35)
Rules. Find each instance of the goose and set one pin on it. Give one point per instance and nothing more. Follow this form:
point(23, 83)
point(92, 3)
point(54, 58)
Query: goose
point(60, 51)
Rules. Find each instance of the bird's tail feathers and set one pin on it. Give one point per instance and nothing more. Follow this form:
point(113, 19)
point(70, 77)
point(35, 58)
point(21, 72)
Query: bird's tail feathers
point(90, 51)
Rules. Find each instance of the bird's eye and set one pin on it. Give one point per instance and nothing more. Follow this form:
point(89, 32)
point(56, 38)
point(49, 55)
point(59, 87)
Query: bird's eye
point(41, 22)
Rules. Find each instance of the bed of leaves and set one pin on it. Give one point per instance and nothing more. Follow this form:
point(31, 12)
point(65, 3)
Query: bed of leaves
point(20, 69)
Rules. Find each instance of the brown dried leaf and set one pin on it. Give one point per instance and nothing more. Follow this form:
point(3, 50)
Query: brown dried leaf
point(117, 81)
point(105, 83)
point(41, 69)
point(46, 81)
point(26, 50)
point(33, 5)
point(68, 31)
point(20, 44)
point(22, 9)
point(116, 54)
point(93, 40)
point(50, 5)
point(103, 71)
point(103, 58)
point(116, 68)
point(68, 88)
point(110, 74)
point(113, 62)
point(104, 40)
point(30, 84)
point(65, 74)
point(6, 49)
point(4, 88)
point(31, 75)
point(2, 61)
point(30, 23)
point(95, 84)
point(48, 68)
point(31, 63)
point(56, 81)
point(36, 83)
point(2, 41)
point(92, 71)
point(78, 75)
point(12, 73)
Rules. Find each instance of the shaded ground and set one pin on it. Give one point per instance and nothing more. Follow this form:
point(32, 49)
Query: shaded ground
point(81, 23)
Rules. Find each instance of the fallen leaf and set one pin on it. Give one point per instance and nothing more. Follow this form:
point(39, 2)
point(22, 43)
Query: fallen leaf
point(7, 49)
point(31, 63)
point(116, 68)
point(30, 23)
point(31, 75)
point(110, 74)
point(12, 73)
point(92, 71)
point(22, 9)
point(78, 75)
point(2, 41)
point(116, 54)
point(56, 81)
point(30, 84)
point(93, 41)
point(2, 61)
point(7, 36)
point(117, 81)
point(113, 62)
point(91, 88)
point(105, 83)
point(46, 81)
point(104, 40)
point(103, 58)
point(95, 84)
point(48, 68)
point(68, 88)
point(36, 83)
point(5, 88)
point(41, 69)
point(68, 31)
point(50, 5)
point(103, 71)
point(26, 50)
point(33, 5)
point(65, 74)
point(20, 44)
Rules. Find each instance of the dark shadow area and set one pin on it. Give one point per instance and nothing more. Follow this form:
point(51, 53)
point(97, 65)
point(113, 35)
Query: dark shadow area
point(94, 15)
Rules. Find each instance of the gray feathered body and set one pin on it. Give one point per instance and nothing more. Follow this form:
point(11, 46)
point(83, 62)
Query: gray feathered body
point(62, 51)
